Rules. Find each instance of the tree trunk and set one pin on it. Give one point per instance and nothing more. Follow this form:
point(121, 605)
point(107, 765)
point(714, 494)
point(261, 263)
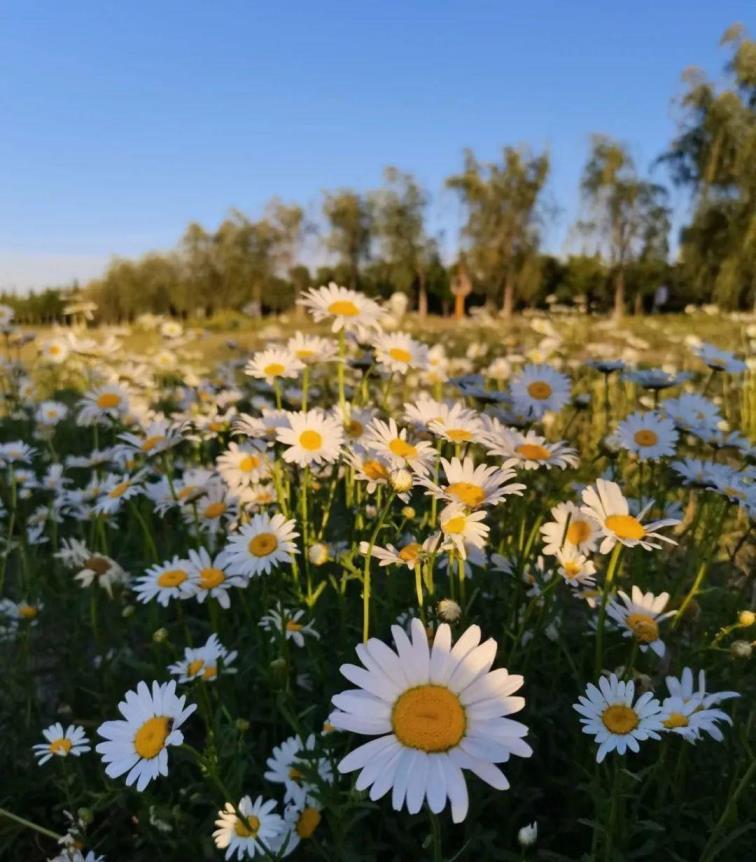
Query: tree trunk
point(619, 294)
point(507, 307)
point(638, 305)
point(422, 296)
point(459, 306)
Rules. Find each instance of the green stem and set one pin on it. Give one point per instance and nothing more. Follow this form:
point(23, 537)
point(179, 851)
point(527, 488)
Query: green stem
point(366, 572)
point(29, 825)
point(611, 571)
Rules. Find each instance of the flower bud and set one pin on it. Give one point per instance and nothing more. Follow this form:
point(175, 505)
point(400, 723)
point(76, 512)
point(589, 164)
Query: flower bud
point(160, 635)
point(279, 670)
point(746, 618)
point(408, 513)
point(401, 480)
point(528, 835)
point(449, 611)
point(740, 649)
point(85, 816)
point(242, 725)
point(318, 554)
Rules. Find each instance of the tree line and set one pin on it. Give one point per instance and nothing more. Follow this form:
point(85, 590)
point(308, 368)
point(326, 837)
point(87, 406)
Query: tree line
point(380, 243)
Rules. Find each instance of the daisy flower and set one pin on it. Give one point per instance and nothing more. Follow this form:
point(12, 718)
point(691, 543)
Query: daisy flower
point(570, 529)
point(392, 443)
point(720, 360)
point(101, 570)
point(288, 763)
point(204, 662)
point(606, 503)
point(244, 465)
point(50, 413)
point(690, 719)
point(301, 823)
point(102, 404)
point(310, 349)
point(639, 615)
point(154, 438)
point(457, 424)
point(271, 365)
point(286, 622)
point(409, 555)
point(259, 546)
point(399, 352)
point(114, 491)
point(357, 421)
point(576, 568)
point(208, 578)
point(56, 350)
point(692, 411)
point(214, 510)
point(484, 485)
point(529, 451)
point(138, 743)
point(61, 743)
point(655, 379)
point(369, 467)
point(16, 452)
point(165, 581)
point(435, 711)
point(342, 308)
point(252, 833)
point(648, 435)
point(538, 388)
point(424, 410)
point(683, 688)
point(462, 528)
point(311, 438)
point(610, 716)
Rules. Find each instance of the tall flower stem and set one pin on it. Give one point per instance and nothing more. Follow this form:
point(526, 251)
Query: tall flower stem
point(610, 573)
point(366, 571)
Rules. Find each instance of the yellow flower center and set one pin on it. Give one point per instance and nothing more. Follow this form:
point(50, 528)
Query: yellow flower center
point(540, 390)
point(214, 510)
point(619, 718)
point(578, 532)
point(533, 452)
point(410, 553)
point(211, 577)
point(355, 428)
point(151, 442)
point(625, 526)
point(429, 717)
point(149, 740)
point(295, 774)
point(459, 435)
point(402, 449)
point(308, 822)
point(263, 544)
point(646, 437)
point(455, 525)
point(61, 746)
point(248, 463)
point(188, 491)
point(119, 490)
point(99, 565)
point(274, 369)
point(400, 354)
point(247, 828)
point(194, 667)
point(55, 349)
point(572, 570)
point(291, 626)
point(343, 308)
point(108, 400)
point(210, 672)
point(215, 426)
point(676, 719)
point(27, 612)
point(466, 492)
point(172, 578)
point(644, 627)
point(310, 440)
point(304, 353)
point(374, 470)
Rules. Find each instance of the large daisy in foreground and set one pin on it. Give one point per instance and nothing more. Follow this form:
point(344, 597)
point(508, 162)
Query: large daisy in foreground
point(435, 711)
point(138, 743)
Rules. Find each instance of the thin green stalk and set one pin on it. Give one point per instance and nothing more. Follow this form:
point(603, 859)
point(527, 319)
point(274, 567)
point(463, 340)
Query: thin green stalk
point(366, 571)
point(611, 571)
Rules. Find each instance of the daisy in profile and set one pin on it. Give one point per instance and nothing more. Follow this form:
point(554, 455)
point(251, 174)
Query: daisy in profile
point(61, 743)
point(369, 467)
point(720, 360)
point(204, 663)
point(209, 579)
point(529, 451)
point(435, 712)
point(693, 471)
point(164, 582)
point(424, 410)
point(255, 832)
point(357, 421)
point(399, 352)
point(259, 546)
point(289, 624)
point(457, 424)
point(576, 568)
point(155, 437)
point(16, 452)
point(243, 465)
point(101, 570)
point(392, 443)
point(409, 555)
point(115, 490)
point(648, 435)
point(609, 714)
point(692, 411)
point(103, 404)
point(606, 503)
point(310, 349)
point(639, 615)
point(342, 308)
point(690, 719)
point(288, 764)
point(655, 379)
point(570, 529)
point(484, 485)
point(272, 365)
point(138, 743)
point(538, 388)
point(311, 438)
point(301, 822)
point(461, 528)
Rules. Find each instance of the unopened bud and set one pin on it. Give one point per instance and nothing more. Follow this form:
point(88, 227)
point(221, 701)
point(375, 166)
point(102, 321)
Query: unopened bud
point(408, 513)
point(160, 635)
point(401, 480)
point(279, 670)
point(85, 815)
point(528, 835)
point(449, 611)
point(242, 725)
point(741, 649)
point(317, 554)
point(746, 618)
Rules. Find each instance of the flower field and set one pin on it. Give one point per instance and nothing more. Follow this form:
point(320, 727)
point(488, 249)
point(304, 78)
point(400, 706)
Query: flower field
point(348, 587)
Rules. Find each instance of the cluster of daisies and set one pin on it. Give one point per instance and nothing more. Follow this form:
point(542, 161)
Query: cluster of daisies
point(333, 458)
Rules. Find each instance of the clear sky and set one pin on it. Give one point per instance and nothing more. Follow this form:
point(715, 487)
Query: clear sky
point(122, 121)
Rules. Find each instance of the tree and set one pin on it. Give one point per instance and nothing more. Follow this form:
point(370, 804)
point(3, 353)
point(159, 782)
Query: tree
point(399, 225)
point(350, 219)
point(625, 210)
point(502, 217)
point(714, 156)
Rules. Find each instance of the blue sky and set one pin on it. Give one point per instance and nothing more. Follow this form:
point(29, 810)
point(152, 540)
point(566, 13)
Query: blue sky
point(121, 122)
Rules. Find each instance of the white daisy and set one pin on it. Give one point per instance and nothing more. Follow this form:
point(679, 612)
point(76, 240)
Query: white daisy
point(692, 411)
point(389, 441)
point(684, 689)
point(409, 555)
point(310, 349)
point(399, 352)
point(690, 719)
point(61, 743)
point(610, 716)
point(484, 485)
point(311, 438)
point(528, 451)
point(462, 528)
point(259, 546)
point(165, 581)
point(436, 712)
point(138, 743)
point(720, 360)
point(50, 413)
point(256, 831)
point(204, 663)
point(244, 465)
point(576, 568)
point(570, 529)
point(271, 365)
point(457, 424)
point(343, 308)
point(291, 762)
point(648, 435)
point(369, 467)
point(214, 510)
point(208, 578)
point(105, 403)
point(606, 503)
point(639, 616)
point(538, 388)
point(288, 623)
point(115, 490)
